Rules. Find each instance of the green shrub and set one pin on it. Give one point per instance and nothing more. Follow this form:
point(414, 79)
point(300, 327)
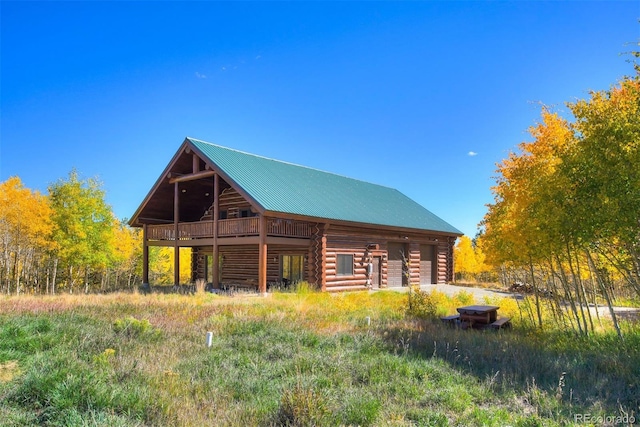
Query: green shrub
point(104, 359)
point(421, 304)
point(134, 328)
point(465, 298)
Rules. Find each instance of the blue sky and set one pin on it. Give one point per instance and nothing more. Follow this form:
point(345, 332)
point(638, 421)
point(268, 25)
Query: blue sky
point(425, 97)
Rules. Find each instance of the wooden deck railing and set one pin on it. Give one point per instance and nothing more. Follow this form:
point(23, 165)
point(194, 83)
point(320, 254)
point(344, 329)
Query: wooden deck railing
point(239, 227)
point(230, 228)
point(286, 228)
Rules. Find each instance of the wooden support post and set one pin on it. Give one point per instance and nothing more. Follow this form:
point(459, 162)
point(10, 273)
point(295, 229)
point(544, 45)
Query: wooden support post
point(262, 256)
point(145, 256)
point(216, 249)
point(196, 163)
point(176, 248)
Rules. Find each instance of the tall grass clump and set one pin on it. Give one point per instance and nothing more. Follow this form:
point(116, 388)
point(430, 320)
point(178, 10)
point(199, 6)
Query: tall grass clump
point(304, 288)
point(302, 405)
point(67, 369)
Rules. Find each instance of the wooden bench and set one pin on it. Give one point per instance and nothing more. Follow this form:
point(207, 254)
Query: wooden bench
point(503, 322)
point(477, 318)
point(451, 320)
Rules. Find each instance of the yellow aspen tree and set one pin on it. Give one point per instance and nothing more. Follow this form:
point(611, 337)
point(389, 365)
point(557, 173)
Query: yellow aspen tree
point(127, 255)
point(465, 259)
point(83, 227)
point(25, 231)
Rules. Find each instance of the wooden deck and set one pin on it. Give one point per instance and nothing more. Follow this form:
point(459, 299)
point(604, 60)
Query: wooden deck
point(238, 227)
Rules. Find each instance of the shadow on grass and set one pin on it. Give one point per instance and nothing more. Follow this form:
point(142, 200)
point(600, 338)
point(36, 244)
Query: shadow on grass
point(558, 372)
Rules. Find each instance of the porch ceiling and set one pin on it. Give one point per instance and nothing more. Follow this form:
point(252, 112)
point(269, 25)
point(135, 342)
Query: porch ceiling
point(195, 197)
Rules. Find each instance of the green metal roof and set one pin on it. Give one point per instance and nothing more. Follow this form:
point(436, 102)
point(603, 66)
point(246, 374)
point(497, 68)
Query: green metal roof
point(288, 188)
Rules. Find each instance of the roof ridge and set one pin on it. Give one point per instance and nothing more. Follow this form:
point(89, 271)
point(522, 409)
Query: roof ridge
point(290, 163)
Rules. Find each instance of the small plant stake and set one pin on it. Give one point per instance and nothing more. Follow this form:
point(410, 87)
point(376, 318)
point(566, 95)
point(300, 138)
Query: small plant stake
point(368, 321)
point(209, 339)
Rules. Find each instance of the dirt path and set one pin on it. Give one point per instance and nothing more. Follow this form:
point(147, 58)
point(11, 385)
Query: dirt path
point(478, 293)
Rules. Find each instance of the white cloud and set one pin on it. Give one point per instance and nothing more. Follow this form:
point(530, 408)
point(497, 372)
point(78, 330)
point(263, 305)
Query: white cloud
point(472, 153)
point(200, 76)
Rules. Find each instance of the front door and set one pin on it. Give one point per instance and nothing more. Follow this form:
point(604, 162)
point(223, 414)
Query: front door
point(375, 274)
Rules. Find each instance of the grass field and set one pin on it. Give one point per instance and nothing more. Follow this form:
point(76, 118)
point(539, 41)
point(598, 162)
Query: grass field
point(299, 359)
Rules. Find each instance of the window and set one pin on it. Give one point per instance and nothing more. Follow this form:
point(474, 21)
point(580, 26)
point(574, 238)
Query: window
point(345, 265)
point(292, 268)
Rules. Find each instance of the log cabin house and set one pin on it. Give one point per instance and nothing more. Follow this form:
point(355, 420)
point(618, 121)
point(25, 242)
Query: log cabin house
point(268, 221)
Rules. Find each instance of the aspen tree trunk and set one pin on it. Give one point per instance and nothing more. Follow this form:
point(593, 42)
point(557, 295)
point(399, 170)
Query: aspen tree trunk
point(605, 293)
point(71, 279)
point(86, 280)
point(53, 279)
point(536, 292)
point(48, 271)
point(569, 295)
point(16, 270)
point(592, 281)
point(582, 290)
point(556, 297)
point(576, 287)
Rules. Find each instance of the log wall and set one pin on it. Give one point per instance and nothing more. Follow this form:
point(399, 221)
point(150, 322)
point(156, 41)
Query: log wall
point(355, 240)
point(414, 263)
point(230, 201)
point(240, 263)
point(327, 242)
point(442, 258)
point(348, 244)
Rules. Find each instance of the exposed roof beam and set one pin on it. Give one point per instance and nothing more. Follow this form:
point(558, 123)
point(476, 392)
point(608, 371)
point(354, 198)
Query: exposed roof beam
point(191, 176)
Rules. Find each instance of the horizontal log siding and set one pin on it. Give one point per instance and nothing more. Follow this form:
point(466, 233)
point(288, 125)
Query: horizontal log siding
point(414, 264)
point(230, 198)
point(341, 239)
point(450, 273)
point(443, 255)
point(241, 262)
point(347, 244)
